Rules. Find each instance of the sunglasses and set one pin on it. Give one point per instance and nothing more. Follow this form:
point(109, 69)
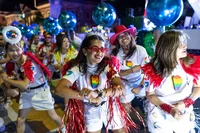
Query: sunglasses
point(48, 37)
point(97, 49)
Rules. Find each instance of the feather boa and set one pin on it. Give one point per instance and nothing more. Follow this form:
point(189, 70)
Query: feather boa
point(155, 79)
point(74, 117)
point(10, 67)
point(193, 69)
point(44, 68)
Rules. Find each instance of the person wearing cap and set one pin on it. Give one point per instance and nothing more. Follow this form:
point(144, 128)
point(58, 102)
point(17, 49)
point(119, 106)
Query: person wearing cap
point(45, 52)
point(132, 57)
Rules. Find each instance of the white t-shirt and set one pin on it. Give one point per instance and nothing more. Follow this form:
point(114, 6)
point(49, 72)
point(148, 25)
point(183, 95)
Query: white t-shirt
point(139, 57)
point(179, 83)
point(39, 77)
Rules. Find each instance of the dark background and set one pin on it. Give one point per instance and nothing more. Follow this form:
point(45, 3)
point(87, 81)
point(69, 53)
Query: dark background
point(119, 5)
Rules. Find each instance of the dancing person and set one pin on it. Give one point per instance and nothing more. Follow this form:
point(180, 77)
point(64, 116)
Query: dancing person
point(132, 57)
point(28, 78)
point(174, 85)
point(92, 85)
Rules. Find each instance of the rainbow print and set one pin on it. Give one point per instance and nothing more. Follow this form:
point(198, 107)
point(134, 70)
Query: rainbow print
point(94, 81)
point(129, 64)
point(177, 82)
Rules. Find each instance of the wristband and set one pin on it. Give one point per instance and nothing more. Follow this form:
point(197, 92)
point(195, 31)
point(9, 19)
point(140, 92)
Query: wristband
point(188, 101)
point(166, 107)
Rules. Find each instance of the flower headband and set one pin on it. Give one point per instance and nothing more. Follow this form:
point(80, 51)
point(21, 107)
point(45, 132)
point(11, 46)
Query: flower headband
point(13, 39)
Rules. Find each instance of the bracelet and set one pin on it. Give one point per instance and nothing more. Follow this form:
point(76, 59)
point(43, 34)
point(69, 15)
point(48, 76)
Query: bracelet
point(166, 107)
point(188, 101)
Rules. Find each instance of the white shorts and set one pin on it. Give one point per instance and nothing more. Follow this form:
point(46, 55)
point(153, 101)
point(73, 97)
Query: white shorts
point(100, 117)
point(39, 99)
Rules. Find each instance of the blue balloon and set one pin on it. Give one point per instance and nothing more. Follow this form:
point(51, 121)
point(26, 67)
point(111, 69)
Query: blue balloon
point(67, 20)
point(35, 28)
point(29, 32)
point(104, 14)
point(21, 27)
point(15, 23)
point(164, 12)
point(51, 26)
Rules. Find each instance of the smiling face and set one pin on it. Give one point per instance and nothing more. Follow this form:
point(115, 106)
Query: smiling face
point(95, 52)
point(65, 43)
point(14, 52)
point(124, 39)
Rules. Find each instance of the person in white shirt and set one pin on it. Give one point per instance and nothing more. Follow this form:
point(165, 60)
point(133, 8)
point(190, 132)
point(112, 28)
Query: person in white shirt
point(132, 57)
point(174, 85)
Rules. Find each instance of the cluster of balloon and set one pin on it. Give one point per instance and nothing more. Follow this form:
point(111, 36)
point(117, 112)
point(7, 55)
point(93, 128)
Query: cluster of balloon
point(27, 31)
point(51, 25)
point(67, 20)
point(104, 14)
point(146, 39)
point(164, 12)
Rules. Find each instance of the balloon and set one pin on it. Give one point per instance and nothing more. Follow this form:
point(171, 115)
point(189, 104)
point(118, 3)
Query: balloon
point(164, 12)
point(15, 23)
point(67, 20)
point(51, 26)
point(22, 28)
point(104, 14)
point(35, 28)
point(29, 32)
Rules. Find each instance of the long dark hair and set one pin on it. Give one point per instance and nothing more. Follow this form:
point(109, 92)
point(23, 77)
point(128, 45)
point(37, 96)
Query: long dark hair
point(164, 60)
point(132, 48)
point(81, 60)
point(59, 40)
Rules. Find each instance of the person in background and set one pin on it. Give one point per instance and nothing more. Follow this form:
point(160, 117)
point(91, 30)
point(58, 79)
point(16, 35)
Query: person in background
point(92, 84)
point(132, 57)
point(75, 39)
point(35, 44)
point(65, 52)
point(25, 74)
point(3, 60)
point(46, 51)
point(174, 85)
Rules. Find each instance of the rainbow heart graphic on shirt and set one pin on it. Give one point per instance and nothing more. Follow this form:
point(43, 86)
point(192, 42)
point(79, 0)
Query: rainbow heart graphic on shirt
point(177, 82)
point(94, 81)
point(146, 60)
point(129, 64)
